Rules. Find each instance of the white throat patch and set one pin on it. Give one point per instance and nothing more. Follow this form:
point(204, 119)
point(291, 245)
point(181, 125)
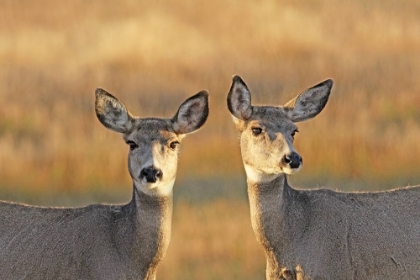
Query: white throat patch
point(158, 188)
point(256, 176)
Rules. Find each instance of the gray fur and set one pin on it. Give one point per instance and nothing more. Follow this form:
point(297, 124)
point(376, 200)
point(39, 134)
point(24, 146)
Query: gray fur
point(323, 234)
point(239, 99)
point(94, 242)
point(336, 235)
point(103, 241)
point(192, 113)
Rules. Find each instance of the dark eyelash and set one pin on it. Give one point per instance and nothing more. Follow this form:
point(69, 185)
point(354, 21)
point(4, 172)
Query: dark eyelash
point(173, 145)
point(256, 131)
point(132, 145)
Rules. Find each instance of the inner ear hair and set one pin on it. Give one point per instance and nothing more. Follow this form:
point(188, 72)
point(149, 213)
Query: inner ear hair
point(239, 99)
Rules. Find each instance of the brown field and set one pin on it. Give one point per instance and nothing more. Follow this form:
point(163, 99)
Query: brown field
point(153, 55)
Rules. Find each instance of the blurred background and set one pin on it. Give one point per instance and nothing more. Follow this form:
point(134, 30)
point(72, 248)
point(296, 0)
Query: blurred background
point(154, 54)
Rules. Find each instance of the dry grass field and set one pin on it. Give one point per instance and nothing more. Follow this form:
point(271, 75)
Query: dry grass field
point(153, 55)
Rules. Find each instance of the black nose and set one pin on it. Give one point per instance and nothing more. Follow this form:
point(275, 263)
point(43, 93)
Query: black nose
point(294, 160)
point(151, 174)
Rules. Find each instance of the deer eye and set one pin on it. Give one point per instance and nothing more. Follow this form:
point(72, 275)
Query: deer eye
point(256, 131)
point(173, 145)
point(294, 132)
point(132, 145)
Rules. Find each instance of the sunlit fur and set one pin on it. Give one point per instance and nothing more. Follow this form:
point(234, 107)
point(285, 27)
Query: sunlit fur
point(153, 137)
point(319, 234)
point(262, 154)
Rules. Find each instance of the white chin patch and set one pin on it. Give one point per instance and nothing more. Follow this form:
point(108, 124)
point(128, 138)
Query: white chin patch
point(291, 171)
point(160, 188)
point(258, 176)
point(150, 186)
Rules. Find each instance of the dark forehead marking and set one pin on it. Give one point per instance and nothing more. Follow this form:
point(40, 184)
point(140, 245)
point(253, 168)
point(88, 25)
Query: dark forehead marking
point(271, 116)
point(151, 129)
point(154, 124)
point(268, 112)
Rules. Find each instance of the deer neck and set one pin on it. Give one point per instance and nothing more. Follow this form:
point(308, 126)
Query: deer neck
point(150, 217)
point(269, 205)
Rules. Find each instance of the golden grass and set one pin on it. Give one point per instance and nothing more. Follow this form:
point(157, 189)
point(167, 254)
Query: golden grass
point(213, 241)
point(153, 55)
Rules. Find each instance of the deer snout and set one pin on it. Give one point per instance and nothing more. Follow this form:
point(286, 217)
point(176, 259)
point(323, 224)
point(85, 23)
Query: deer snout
point(151, 174)
point(293, 159)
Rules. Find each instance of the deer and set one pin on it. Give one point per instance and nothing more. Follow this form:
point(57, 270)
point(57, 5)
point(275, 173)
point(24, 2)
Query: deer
point(318, 233)
point(101, 241)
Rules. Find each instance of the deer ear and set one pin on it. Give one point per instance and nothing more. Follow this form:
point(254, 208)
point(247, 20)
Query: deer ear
point(309, 103)
point(192, 114)
point(111, 112)
point(239, 99)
